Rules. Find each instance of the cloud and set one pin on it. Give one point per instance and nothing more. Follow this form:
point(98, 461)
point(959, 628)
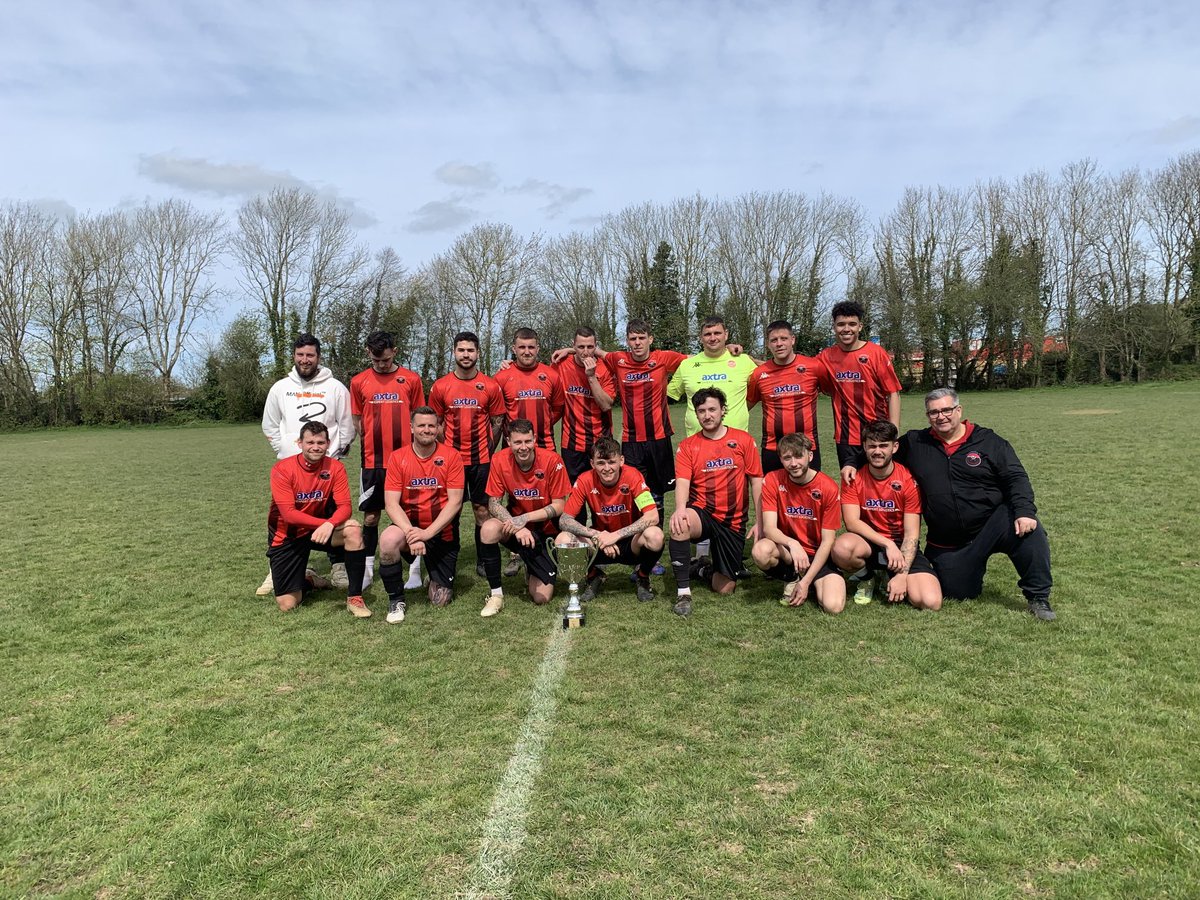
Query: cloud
point(440, 215)
point(559, 197)
point(464, 175)
point(239, 180)
point(1184, 128)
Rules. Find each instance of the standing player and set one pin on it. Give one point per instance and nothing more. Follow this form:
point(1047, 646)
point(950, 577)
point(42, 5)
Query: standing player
point(882, 511)
point(310, 508)
point(641, 375)
point(613, 491)
point(423, 495)
point(309, 393)
point(471, 407)
point(800, 520)
point(865, 387)
point(382, 399)
point(535, 481)
point(712, 471)
point(531, 388)
point(588, 392)
point(787, 386)
point(714, 367)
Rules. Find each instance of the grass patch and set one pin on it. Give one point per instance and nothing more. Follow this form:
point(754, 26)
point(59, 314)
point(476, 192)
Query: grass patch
point(165, 733)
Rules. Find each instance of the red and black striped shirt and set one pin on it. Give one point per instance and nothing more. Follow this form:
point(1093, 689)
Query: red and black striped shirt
point(466, 407)
point(534, 394)
point(583, 421)
point(545, 482)
point(863, 380)
point(424, 484)
point(385, 403)
point(716, 470)
point(305, 497)
point(642, 389)
point(788, 394)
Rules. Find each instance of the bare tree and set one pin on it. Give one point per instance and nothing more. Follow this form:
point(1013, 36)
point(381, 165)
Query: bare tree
point(1072, 264)
point(24, 233)
point(576, 276)
point(174, 249)
point(485, 273)
point(1173, 218)
point(97, 270)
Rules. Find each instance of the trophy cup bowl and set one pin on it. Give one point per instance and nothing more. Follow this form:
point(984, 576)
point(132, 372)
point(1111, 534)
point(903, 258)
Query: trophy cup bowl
point(573, 561)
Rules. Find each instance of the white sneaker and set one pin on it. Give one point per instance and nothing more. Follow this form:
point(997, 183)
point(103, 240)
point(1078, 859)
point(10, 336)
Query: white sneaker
point(395, 612)
point(314, 580)
point(267, 588)
point(369, 572)
point(789, 590)
point(338, 577)
point(495, 603)
point(414, 575)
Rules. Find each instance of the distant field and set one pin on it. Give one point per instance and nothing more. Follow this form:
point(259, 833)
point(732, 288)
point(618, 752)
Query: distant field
point(167, 734)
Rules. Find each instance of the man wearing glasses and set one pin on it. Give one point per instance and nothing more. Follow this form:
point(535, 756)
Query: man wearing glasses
point(977, 501)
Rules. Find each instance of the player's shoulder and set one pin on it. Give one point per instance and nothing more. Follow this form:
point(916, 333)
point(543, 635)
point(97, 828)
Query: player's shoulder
point(823, 481)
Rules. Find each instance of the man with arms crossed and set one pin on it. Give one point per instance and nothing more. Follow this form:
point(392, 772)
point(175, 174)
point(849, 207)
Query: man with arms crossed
point(423, 495)
point(535, 481)
point(864, 383)
point(310, 507)
point(613, 492)
point(471, 407)
point(588, 392)
point(787, 386)
point(977, 500)
point(800, 518)
point(382, 399)
point(882, 511)
point(717, 472)
point(309, 393)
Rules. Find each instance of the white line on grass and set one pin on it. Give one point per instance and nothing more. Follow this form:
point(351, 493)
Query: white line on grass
point(504, 831)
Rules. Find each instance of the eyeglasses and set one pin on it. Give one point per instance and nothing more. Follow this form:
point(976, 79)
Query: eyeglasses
point(941, 413)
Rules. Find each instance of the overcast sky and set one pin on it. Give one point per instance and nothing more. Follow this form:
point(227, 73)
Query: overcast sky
point(424, 119)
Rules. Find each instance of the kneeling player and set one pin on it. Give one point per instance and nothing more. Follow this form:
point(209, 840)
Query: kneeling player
point(612, 491)
point(882, 511)
point(800, 518)
point(310, 507)
point(713, 469)
point(423, 495)
point(535, 481)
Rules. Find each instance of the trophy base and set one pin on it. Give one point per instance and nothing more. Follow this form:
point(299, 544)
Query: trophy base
point(572, 622)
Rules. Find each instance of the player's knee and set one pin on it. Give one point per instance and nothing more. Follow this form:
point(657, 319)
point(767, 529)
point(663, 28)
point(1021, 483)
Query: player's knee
point(833, 605)
point(845, 553)
point(352, 537)
point(764, 553)
point(652, 538)
point(371, 519)
point(490, 531)
point(481, 513)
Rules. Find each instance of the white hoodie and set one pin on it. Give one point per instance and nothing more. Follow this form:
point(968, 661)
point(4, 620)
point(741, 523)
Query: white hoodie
point(293, 401)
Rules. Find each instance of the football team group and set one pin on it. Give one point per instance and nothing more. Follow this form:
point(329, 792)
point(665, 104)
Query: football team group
point(490, 441)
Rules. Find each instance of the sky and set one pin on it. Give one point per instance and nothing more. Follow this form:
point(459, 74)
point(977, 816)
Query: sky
point(423, 119)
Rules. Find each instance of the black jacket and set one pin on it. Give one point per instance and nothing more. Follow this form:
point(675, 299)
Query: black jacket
point(960, 492)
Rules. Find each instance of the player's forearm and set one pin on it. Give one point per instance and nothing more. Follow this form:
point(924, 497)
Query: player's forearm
point(497, 510)
point(894, 409)
point(821, 554)
point(571, 525)
point(636, 527)
point(603, 400)
point(391, 503)
point(851, 516)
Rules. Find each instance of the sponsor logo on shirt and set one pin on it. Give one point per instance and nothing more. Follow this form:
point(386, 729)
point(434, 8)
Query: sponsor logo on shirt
point(527, 493)
point(632, 377)
point(801, 512)
point(385, 397)
point(848, 376)
point(582, 389)
point(308, 496)
point(464, 401)
point(787, 389)
point(530, 394)
point(874, 503)
point(612, 509)
point(423, 482)
point(725, 462)
point(715, 376)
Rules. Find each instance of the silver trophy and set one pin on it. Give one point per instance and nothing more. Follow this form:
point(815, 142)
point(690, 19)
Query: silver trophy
point(573, 561)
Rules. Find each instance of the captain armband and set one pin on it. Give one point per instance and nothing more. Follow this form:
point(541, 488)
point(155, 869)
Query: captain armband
point(644, 499)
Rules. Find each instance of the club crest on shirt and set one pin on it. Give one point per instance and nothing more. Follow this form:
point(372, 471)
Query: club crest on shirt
point(864, 358)
point(815, 493)
point(541, 376)
point(731, 444)
point(974, 460)
point(732, 364)
point(324, 476)
point(479, 385)
point(539, 474)
point(896, 486)
point(651, 364)
point(400, 379)
point(439, 461)
point(800, 370)
point(624, 489)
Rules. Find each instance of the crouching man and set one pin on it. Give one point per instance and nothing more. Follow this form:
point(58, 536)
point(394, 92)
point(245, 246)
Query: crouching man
point(535, 481)
point(800, 518)
point(423, 495)
point(625, 516)
point(310, 508)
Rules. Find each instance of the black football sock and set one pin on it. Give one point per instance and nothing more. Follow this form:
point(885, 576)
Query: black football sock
point(356, 570)
point(394, 576)
point(489, 555)
point(681, 563)
point(647, 559)
point(370, 539)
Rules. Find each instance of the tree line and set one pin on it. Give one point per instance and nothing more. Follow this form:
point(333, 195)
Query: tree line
point(1076, 276)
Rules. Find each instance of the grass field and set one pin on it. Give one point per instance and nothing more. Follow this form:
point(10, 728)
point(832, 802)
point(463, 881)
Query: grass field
point(167, 734)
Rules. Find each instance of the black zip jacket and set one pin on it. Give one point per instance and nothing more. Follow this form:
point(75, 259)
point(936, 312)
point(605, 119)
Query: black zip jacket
point(961, 491)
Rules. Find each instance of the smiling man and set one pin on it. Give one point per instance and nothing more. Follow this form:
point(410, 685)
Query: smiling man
point(977, 501)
